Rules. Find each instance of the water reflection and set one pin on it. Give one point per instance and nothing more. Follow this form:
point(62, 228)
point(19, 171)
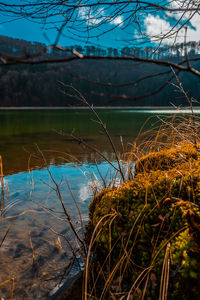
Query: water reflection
point(34, 207)
point(21, 130)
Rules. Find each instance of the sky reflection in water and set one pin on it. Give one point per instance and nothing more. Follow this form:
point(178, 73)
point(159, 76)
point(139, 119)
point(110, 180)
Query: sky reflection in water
point(32, 193)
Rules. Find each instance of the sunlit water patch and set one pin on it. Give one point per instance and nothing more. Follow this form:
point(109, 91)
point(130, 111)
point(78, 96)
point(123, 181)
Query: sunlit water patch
point(163, 111)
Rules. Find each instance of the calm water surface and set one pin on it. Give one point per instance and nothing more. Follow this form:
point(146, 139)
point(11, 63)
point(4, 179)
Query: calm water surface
point(20, 130)
point(30, 199)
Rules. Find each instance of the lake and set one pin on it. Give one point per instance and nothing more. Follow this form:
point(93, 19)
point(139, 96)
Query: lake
point(36, 250)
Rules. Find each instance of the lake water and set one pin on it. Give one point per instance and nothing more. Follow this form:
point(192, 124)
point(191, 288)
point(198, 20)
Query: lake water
point(31, 253)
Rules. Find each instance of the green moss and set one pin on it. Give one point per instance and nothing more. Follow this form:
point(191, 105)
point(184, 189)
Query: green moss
point(167, 159)
point(142, 223)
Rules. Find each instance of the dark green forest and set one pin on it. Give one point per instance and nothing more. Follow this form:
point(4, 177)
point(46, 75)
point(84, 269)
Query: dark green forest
point(98, 80)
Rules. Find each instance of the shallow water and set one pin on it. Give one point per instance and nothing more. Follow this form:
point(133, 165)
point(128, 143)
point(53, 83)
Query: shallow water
point(37, 213)
point(30, 199)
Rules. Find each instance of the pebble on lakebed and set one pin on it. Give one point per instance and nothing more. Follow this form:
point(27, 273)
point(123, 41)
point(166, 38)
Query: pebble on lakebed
point(153, 222)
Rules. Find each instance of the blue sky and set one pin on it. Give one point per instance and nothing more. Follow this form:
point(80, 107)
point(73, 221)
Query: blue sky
point(152, 24)
point(28, 30)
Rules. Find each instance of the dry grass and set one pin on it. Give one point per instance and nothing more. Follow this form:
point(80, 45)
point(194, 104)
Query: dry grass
point(11, 281)
point(105, 280)
point(2, 201)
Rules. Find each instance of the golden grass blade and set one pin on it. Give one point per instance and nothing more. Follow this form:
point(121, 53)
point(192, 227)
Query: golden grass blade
point(11, 288)
point(7, 231)
point(2, 203)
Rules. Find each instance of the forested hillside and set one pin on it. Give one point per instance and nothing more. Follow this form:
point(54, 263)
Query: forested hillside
point(98, 80)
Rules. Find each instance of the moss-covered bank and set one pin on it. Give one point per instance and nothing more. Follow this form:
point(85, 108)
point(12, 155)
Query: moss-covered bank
point(148, 234)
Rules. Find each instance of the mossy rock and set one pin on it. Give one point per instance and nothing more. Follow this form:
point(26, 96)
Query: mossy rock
point(153, 219)
point(168, 159)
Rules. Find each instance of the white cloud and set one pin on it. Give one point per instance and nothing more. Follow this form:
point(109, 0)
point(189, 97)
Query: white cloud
point(83, 12)
point(194, 34)
point(93, 18)
point(193, 26)
point(117, 21)
point(186, 4)
point(156, 27)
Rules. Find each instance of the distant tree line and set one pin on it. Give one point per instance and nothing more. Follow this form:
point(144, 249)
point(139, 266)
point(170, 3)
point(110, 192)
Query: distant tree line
point(100, 82)
point(17, 46)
